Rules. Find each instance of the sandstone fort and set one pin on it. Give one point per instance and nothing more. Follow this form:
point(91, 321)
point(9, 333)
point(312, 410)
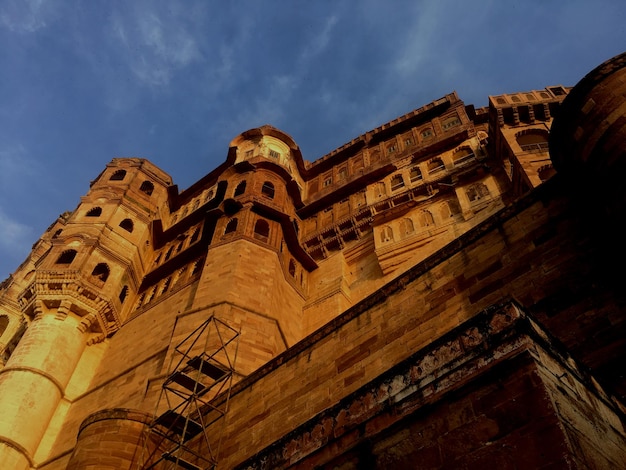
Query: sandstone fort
point(443, 291)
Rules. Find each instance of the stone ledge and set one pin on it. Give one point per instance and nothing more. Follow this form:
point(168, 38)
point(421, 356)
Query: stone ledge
point(114, 414)
point(497, 335)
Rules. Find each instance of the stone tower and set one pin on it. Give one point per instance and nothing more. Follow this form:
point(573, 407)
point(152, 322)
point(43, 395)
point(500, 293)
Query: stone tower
point(255, 271)
point(83, 272)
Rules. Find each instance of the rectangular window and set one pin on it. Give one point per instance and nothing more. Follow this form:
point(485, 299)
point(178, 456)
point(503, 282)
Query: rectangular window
point(450, 122)
point(274, 154)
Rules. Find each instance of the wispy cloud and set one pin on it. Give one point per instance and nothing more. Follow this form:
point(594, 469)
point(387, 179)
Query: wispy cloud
point(273, 106)
point(154, 49)
point(418, 43)
point(319, 43)
point(25, 16)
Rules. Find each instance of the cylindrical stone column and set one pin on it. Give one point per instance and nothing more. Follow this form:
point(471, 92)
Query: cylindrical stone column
point(33, 382)
point(113, 439)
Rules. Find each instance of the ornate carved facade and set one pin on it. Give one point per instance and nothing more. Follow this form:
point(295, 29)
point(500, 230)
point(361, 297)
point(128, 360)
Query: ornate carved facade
point(420, 293)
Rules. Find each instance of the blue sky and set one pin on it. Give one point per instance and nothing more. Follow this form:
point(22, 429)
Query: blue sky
point(174, 81)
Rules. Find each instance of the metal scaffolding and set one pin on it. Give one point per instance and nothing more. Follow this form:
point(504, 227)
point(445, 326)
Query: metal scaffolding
point(194, 396)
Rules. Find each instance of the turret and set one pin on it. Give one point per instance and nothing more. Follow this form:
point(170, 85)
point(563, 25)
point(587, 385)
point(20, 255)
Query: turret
point(255, 274)
point(75, 292)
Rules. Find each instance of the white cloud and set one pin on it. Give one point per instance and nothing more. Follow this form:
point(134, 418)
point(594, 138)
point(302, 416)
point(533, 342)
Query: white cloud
point(418, 43)
point(154, 49)
point(25, 16)
point(271, 108)
point(320, 41)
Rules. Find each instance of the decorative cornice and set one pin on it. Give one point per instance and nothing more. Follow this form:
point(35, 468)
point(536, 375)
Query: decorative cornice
point(70, 291)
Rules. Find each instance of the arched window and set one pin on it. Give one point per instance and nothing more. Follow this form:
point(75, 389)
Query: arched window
point(426, 218)
point(408, 140)
point(546, 172)
point(240, 189)
point(4, 322)
point(292, 268)
point(127, 225)
point(477, 191)
point(268, 190)
point(118, 175)
point(462, 155)
point(415, 174)
point(94, 212)
point(426, 134)
point(147, 187)
point(449, 209)
point(435, 165)
point(386, 235)
point(231, 226)
point(123, 294)
point(101, 272)
point(406, 226)
point(450, 122)
point(342, 173)
point(262, 230)
point(535, 140)
point(67, 257)
point(397, 182)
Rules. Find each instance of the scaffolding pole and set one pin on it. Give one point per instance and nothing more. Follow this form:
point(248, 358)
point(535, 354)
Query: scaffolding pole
point(194, 397)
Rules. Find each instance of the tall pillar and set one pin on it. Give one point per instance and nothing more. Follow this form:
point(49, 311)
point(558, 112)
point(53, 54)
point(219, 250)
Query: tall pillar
point(34, 380)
